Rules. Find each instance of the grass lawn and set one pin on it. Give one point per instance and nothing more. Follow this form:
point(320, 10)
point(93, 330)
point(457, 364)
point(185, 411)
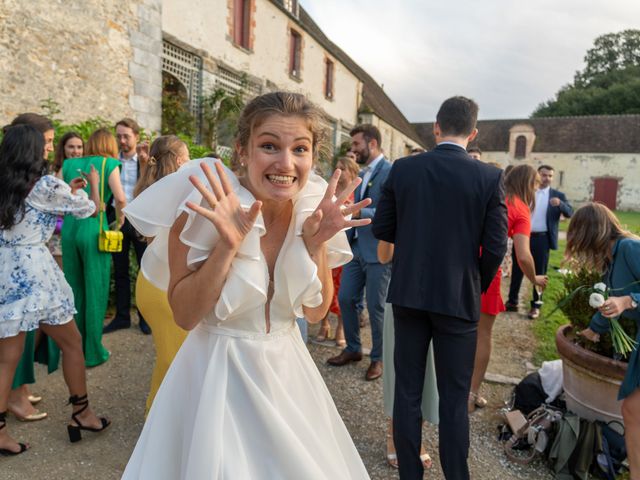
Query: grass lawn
point(544, 328)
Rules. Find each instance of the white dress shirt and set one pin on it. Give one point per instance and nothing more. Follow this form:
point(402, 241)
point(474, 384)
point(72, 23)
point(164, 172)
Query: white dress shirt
point(129, 175)
point(539, 217)
point(367, 175)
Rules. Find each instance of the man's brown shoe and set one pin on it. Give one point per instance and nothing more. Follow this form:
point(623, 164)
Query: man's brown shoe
point(534, 313)
point(344, 358)
point(374, 371)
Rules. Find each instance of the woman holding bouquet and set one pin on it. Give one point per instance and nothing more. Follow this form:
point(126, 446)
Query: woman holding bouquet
point(597, 241)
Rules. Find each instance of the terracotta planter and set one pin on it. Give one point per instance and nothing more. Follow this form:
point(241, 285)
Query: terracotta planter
point(591, 381)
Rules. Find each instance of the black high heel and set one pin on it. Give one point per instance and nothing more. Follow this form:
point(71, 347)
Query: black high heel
point(75, 431)
point(3, 451)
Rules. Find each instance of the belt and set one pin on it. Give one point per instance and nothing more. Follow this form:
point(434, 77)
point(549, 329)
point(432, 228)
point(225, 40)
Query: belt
point(538, 234)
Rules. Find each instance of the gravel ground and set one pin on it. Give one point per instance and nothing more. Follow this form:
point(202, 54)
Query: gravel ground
point(119, 387)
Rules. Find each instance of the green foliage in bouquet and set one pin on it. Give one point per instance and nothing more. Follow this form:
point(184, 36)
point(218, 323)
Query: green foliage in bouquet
point(577, 309)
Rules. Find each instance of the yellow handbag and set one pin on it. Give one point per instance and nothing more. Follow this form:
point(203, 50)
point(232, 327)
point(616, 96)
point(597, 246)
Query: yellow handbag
point(108, 240)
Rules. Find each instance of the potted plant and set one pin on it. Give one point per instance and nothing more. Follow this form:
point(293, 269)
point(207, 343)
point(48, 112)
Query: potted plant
point(592, 372)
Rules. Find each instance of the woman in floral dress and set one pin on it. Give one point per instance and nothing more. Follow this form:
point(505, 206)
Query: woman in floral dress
point(33, 291)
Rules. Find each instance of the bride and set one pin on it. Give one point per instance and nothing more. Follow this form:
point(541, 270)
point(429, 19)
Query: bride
point(240, 259)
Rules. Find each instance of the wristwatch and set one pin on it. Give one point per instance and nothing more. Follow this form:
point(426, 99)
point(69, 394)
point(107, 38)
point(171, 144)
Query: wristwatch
point(634, 304)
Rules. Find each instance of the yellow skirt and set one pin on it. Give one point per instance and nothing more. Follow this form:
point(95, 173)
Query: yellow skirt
point(167, 336)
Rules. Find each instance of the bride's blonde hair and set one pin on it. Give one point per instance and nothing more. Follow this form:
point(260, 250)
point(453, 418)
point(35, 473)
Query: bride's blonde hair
point(286, 104)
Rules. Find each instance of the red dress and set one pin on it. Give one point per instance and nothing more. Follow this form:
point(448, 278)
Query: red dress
point(519, 221)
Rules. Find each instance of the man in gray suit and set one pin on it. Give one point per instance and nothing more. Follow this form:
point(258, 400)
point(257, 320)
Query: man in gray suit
point(365, 271)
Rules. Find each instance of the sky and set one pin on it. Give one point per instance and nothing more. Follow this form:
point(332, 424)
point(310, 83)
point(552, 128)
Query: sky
point(508, 55)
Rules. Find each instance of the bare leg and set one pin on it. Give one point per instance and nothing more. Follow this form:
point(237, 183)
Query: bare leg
point(340, 340)
point(19, 403)
point(392, 458)
point(10, 352)
point(631, 417)
point(68, 338)
point(325, 329)
point(391, 449)
point(483, 354)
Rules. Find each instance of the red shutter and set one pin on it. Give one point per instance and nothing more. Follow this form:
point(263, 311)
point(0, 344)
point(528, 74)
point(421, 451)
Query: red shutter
point(328, 82)
point(238, 21)
point(294, 54)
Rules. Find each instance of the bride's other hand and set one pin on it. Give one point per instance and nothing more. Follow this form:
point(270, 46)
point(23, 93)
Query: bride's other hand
point(232, 222)
point(329, 217)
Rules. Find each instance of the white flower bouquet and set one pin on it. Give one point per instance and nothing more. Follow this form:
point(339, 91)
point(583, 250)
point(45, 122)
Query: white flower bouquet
point(622, 342)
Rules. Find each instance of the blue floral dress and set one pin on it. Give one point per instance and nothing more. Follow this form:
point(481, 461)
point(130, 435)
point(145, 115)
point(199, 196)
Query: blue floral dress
point(32, 286)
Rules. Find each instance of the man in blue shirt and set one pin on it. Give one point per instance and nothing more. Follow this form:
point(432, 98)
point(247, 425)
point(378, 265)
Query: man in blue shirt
point(128, 136)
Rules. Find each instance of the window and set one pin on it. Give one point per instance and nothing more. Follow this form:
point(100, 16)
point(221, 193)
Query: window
point(294, 54)
point(291, 6)
point(242, 22)
point(328, 79)
point(521, 146)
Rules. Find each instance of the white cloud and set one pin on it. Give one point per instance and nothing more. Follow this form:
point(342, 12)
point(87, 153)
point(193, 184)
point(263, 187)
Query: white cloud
point(509, 56)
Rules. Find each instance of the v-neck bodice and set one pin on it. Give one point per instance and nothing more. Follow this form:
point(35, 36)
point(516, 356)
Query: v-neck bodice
point(240, 310)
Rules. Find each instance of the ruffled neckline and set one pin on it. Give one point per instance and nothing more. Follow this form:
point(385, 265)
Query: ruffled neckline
point(155, 210)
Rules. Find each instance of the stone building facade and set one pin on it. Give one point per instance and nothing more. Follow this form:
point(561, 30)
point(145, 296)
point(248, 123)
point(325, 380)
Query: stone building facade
point(94, 58)
point(596, 158)
point(107, 59)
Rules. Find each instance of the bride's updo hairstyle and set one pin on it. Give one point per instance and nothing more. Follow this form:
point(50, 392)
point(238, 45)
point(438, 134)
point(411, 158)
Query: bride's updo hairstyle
point(286, 104)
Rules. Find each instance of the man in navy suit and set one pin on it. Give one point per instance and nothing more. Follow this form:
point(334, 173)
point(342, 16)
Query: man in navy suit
point(365, 272)
point(550, 204)
point(445, 212)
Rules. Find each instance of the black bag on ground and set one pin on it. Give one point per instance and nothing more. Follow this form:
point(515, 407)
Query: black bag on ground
point(529, 394)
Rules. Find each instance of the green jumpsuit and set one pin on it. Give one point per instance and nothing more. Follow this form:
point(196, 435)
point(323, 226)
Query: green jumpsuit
point(85, 267)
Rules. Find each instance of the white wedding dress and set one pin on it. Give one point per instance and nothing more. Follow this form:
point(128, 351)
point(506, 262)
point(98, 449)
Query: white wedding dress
point(238, 402)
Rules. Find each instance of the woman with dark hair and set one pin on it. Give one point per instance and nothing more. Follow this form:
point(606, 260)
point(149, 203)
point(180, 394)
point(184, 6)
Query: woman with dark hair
point(520, 192)
point(40, 123)
point(85, 267)
point(70, 145)
point(597, 241)
point(33, 290)
point(167, 154)
point(20, 400)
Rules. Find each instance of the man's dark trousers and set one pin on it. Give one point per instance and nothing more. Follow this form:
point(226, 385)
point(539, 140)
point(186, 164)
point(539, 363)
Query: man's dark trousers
point(539, 244)
point(454, 347)
point(121, 272)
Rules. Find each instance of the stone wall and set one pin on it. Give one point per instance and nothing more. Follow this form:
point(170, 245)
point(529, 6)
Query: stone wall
point(575, 173)
point(94, 58)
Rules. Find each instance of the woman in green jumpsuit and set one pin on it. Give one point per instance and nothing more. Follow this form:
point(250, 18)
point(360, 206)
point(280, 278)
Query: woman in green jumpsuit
point(85, 267)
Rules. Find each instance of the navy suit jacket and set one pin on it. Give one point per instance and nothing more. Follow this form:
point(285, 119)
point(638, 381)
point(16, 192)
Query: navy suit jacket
point(367, 243)
point(553, 216)
point(439, 209)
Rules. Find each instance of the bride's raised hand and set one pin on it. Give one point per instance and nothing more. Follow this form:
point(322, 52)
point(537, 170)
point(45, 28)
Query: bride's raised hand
point(232, 222)
point(329, 217)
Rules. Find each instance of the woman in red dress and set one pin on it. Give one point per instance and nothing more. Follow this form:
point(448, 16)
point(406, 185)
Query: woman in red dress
point(520, 188)
point(350, 171)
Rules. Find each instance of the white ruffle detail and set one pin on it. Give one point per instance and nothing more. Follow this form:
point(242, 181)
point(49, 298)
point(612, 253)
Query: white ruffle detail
point(156, 209)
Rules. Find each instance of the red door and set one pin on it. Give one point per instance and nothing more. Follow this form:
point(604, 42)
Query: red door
point(605, 190)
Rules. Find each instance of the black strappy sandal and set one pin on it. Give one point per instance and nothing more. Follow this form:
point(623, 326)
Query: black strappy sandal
point(75, 431)
point(3, 451)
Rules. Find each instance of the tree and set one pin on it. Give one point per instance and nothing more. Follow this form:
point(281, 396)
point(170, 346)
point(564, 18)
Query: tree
point(608, 85)
point(220, 112)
